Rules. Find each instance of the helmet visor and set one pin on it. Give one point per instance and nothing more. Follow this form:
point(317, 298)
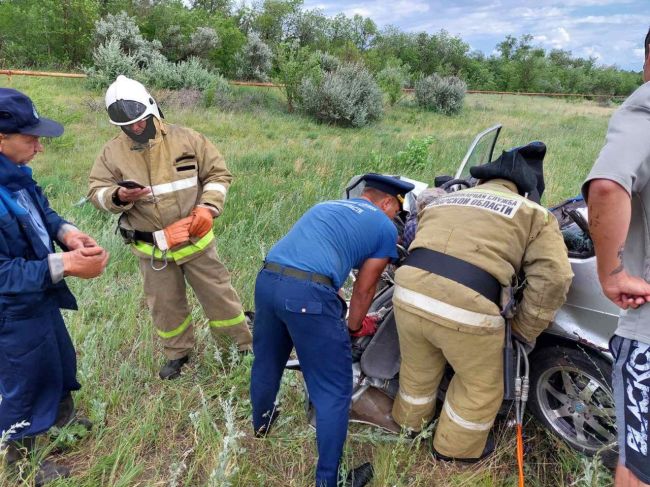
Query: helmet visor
point(126, 111)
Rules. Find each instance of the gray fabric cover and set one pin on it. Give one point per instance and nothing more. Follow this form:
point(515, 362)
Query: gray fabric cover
point(382, 358)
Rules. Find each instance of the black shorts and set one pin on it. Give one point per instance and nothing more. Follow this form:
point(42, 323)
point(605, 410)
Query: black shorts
point(631, 380)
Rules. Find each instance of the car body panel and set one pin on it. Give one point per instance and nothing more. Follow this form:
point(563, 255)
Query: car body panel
point(587, 316)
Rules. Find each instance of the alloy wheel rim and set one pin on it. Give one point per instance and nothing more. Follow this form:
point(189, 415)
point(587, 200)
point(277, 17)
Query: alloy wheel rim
point(579, 406)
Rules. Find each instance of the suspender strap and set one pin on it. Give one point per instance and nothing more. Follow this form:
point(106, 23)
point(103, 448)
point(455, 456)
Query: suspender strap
point(457, 270)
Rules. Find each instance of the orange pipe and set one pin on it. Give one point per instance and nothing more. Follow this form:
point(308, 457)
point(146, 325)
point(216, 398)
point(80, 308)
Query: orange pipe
point(16, 72)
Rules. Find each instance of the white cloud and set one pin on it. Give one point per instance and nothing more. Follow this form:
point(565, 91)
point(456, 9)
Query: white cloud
point(602, 19)
point(559, 39)
point(382, 12)
point(591, 52)
point(364, 12)
point(386, 12)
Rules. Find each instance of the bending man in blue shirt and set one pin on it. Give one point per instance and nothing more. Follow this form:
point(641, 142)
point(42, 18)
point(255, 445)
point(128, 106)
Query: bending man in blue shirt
point(297, 304)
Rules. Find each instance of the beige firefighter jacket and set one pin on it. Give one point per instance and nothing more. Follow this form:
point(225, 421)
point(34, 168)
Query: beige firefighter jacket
point(182, 168)
point(496, 229)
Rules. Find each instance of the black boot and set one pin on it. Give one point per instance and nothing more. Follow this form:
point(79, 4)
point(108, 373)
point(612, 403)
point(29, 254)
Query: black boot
point(487, 451)
point(360, 476)
point(18, 450)
point(67, 414)
point(263, 430)
point(48, 471)
point(172, 369)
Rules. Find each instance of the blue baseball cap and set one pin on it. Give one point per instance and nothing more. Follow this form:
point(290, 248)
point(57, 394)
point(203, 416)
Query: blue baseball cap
point(389, 185)
point(18, 115)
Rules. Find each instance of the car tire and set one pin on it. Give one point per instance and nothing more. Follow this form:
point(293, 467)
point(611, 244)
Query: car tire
point(571, 395)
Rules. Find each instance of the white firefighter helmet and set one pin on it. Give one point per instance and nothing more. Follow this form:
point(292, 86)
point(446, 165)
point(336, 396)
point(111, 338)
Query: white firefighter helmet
point(128, 101)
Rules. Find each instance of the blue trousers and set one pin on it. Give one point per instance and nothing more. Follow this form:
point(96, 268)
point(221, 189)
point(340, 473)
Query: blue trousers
point(308, 315)
point(38, 367)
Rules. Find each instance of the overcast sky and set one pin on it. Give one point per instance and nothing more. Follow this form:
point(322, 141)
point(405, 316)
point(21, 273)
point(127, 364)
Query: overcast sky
point(610, 30)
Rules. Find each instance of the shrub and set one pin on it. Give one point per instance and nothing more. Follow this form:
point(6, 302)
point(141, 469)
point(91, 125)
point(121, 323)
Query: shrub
point(162, 74)
point(218, 93)
point(110, 61)
point(194, 74)
point(123, 50)
point(392, 79)
point(202, 42)
point(443, 95)
point(185, 74)
point(123, 29)
point(348, 96)
point(416, 154)
point(294, 63)
point(326, 61)
point(254, 60)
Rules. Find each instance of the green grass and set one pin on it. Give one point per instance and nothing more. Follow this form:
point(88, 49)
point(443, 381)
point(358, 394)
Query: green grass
point(150, 433)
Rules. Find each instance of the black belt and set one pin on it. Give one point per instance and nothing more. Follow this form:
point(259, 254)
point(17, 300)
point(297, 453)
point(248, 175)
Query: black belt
point(457, 270)
point(133, 235)
point(298, 274)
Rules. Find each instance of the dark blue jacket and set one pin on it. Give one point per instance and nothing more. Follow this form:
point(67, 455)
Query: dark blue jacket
point(26, 287)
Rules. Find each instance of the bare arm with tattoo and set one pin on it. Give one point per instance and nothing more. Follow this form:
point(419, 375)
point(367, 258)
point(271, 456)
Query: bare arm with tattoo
point(610, 211)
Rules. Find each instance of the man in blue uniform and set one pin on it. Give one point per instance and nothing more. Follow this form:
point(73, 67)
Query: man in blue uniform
point(37, 359)
point(297, 304)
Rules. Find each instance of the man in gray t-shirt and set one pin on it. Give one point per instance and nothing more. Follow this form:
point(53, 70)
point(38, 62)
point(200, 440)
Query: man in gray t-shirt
point(618, 194)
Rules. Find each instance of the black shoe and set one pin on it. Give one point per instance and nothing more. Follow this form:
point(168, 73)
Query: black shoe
point(360, 476)
point(487, 451)
point(18, 449)
point(67, 415)
point(172, 369)
point(66, 412)
point(49, 471)
point(264, 430)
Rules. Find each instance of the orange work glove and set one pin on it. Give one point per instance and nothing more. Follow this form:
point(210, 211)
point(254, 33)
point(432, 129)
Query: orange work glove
point(201, 221)
point(368, 326)
point(175, 234)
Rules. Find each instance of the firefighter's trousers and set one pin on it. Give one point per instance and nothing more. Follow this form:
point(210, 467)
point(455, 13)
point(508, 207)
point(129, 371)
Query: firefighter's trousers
point(475, 392)
point(165, 292)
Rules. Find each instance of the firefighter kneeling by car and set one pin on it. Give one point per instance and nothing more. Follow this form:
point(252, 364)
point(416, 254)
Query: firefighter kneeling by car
point(468, 247)
point(169, 183)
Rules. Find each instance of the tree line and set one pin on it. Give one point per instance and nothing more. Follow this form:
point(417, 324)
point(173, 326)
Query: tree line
point(63, 35)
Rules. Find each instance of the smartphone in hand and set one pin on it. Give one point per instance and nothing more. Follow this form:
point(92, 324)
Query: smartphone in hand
point(129, 184)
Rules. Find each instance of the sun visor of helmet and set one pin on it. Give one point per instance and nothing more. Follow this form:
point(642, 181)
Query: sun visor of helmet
point(124, 112)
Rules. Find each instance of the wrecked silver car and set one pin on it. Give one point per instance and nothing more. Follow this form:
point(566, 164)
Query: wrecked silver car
point(570, 366)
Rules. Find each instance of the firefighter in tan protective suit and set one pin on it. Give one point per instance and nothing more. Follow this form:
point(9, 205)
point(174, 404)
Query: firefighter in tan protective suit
point(168, 182)
point(469, 246)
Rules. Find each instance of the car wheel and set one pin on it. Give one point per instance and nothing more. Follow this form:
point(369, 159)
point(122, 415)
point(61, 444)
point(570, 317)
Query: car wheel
point(571, 394)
